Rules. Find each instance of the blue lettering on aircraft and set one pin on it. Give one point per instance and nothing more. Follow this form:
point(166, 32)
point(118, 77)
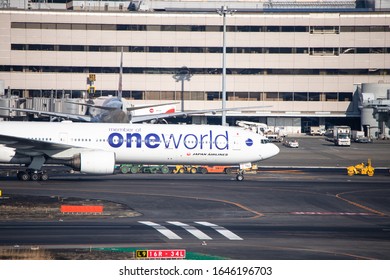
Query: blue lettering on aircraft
point(153, 140)
point(115, 140)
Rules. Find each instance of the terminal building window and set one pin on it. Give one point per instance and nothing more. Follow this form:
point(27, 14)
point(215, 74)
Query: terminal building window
point(324, 29)
point(300, 96)
point(195, 95)
point(190, 49)
point(214, 95)
point(271, 96)
point(314, 96)
point(202, 28)
point(286, 96)
point(331, 96)
point(194, 71)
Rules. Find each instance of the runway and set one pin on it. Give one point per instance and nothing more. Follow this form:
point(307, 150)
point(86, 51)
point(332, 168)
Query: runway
point(275, 214)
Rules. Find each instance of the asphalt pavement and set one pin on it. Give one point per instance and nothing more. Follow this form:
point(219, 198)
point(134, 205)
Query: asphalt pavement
point(300, 205)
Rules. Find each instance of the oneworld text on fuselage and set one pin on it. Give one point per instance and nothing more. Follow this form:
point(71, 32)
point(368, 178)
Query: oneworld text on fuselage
point(170, 141)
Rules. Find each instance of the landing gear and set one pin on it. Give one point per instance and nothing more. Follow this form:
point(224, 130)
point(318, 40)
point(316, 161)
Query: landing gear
point(33, 175)
point(240, 175)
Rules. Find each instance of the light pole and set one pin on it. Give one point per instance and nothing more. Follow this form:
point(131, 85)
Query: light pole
point(223, 12)
point(184, 74)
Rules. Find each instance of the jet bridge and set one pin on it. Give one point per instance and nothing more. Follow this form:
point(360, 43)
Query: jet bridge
point(381, 112)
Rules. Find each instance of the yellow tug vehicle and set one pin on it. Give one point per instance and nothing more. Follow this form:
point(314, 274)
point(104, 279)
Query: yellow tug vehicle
point(185, 169)
point(361, 169)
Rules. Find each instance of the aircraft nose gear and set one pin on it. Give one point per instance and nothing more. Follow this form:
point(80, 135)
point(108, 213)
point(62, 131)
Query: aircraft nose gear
point(33, 175)
point(240, 175)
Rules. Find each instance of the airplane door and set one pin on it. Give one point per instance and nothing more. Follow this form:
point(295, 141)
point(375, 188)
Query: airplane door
point(64, 138)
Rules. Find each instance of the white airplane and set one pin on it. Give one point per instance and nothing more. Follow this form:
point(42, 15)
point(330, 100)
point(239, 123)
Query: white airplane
point(107, 109)
point(95, 148)
point(111, 109)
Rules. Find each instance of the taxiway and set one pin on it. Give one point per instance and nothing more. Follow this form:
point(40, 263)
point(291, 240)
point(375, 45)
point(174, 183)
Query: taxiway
point(288, 210)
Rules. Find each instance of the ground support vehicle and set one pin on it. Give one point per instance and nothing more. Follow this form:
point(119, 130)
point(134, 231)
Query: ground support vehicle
point(274, 138)
point(316, 130)
point(155, 169)
point(342, 135)
point(291, 143)
point(137, 168)
point(361, 169)
point(259, 128)
point(185, 169)
point(217, 169)
point(130, 168)
point(359, 137)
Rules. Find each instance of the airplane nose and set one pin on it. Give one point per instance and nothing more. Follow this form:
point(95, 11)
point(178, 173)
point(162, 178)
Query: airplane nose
point(272, 151)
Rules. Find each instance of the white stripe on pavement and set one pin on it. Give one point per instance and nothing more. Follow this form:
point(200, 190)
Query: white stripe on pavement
point(225, 232)
point(194, 231)
point(163, 230)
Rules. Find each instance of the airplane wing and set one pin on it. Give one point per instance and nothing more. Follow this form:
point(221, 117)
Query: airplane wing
point(135, 119)
point(114, 108)
point(144, 118)
point(73, 117)
point(148, 106)
point(30, 147)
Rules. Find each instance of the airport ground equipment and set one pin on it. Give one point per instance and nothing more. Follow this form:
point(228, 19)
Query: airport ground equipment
point(359, 137)
point(185, 169)
point(291, 143)
point(259, 128)
point(217, 169)
point(274, 138)
point(361, 169)
point(342, 135)
point(155, 169)
point(137, 168)
point(316, 130)
point(130, 168)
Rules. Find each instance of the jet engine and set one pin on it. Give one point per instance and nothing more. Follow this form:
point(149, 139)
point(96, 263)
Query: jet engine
point(8, 155)
point(94, 162)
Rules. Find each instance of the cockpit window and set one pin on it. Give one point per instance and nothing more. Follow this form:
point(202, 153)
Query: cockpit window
point(265, 141)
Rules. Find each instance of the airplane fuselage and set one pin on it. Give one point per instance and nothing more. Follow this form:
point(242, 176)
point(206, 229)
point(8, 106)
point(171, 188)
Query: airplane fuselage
point(135, 143)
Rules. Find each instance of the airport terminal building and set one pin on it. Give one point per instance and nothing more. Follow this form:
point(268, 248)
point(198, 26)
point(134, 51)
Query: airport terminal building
point(306, 66)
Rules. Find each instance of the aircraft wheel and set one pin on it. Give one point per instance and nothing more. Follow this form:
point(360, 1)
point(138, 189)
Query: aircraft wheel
point(45, 177)
point(239, 177)
point(34, 176)
point(24, 176)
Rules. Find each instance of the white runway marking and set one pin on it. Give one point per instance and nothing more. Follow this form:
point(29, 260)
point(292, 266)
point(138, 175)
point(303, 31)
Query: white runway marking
point(194, 231)
point(163, 230)
point(225, 232)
